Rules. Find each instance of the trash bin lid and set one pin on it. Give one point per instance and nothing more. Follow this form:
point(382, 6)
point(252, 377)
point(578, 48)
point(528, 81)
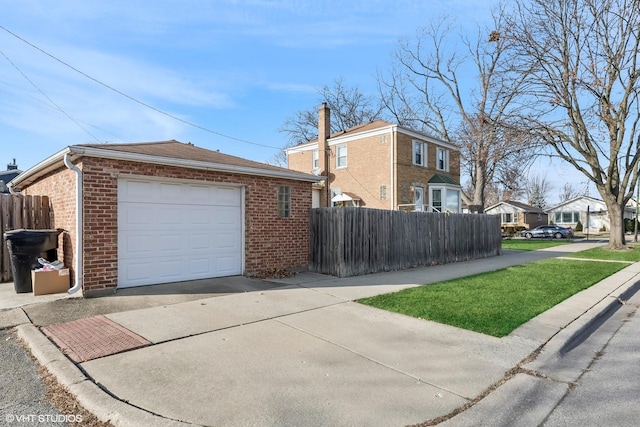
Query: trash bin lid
point(24, 234)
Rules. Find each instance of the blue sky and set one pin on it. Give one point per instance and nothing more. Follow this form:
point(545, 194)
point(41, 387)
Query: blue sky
point(236, 68)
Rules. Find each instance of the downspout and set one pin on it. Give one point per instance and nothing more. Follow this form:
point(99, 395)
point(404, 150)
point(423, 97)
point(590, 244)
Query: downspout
point(79, 206)
point(393, 170)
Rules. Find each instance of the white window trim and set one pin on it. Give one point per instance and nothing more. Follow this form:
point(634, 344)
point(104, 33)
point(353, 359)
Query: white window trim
point(284, 201)
point(443, 196)
point(315, 159)
point(423, 146)
point(445, 160)
point(346, 161)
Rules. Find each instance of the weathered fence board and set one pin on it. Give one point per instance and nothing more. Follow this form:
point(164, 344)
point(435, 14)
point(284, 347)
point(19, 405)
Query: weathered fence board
point(17, 211)
point(348, 242)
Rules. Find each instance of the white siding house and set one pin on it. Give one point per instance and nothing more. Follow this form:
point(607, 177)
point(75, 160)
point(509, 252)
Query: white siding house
point(591, 212)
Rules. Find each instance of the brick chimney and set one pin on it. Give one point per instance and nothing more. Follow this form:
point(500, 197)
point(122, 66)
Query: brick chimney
point(12, 166)
point(324, 153)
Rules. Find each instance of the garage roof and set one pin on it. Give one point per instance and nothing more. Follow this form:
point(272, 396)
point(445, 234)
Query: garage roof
point(170, 153)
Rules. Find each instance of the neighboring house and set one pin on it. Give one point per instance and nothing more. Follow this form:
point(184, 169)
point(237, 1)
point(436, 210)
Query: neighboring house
point(6, 176)
point(150, 213)
point(380, 165)
point(516, 214)
point(591, 212)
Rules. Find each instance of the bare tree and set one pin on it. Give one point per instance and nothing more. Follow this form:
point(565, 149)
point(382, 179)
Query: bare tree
point(568, 192)
point(538, 189)
point(428, 89)
point(581, 59)
point(349, 107)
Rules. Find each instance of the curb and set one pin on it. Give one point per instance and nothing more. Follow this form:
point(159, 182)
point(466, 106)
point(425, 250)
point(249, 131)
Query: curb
point(104, 406)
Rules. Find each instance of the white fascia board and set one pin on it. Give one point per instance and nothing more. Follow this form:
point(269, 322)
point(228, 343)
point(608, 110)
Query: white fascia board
point(193, 164)
point(39, 169)
point(429, 138)
point(343, 139)
point(307, 146)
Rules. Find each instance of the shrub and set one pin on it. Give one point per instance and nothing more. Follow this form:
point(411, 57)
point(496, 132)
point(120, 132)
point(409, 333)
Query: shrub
point(579, 226)
point(603, 228)
point(629, 225)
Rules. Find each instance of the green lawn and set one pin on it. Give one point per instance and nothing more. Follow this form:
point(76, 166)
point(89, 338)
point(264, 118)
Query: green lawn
point(533, 244)
point(498, 302)
point(632, 255)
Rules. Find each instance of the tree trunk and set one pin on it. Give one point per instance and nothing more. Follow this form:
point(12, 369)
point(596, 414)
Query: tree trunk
point(617, 230)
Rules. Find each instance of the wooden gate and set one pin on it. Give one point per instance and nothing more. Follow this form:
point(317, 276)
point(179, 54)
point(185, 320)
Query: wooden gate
point(17, 211)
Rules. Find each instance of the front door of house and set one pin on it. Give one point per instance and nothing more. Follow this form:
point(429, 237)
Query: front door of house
point(418, 198)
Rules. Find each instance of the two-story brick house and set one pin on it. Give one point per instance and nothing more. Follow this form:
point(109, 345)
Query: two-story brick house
point(380, 165)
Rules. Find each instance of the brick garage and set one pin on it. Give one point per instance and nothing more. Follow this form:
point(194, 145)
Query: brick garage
point(270, 241)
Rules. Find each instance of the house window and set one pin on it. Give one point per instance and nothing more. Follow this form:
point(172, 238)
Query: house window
point(453, 200)
point(284, 201)
point(418, 199)
point(442, 159)
point(444, 199)
point(419, 153)
point(383, 192)
point(507, 218)
point(436, 200)
point(341, 156)
point(566, 217)
point(315, 159)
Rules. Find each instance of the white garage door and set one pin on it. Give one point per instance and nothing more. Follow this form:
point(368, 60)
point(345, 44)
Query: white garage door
point(171, 231)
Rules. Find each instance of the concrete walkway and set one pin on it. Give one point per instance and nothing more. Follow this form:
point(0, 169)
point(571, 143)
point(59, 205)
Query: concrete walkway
point(303, 353)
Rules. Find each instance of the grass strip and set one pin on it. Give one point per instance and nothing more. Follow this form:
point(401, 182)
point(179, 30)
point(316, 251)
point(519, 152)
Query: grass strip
point(532, 245)
point(498, 302)
point(632, 254)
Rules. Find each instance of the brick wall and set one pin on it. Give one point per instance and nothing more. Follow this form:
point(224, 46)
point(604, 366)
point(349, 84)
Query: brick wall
point(413, 175)
point(270, 241)
point(368, 168)
point(60, 186)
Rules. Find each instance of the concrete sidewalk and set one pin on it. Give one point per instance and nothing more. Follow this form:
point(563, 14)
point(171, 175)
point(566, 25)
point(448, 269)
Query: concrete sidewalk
point(304, 353)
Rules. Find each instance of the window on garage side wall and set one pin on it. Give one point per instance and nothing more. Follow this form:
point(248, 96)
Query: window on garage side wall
point(284, 201)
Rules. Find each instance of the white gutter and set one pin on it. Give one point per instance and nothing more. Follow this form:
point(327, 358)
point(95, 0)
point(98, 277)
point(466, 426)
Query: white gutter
point(79, 229)
point(392, 190)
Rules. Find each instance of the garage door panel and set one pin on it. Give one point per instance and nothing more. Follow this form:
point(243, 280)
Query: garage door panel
point(170, 232)
point(169, 269)
point(227, 241)
point(137, 244)
point(137, 271)
point(201, 215)
point(227, 264)
point(167, 215)
point(134, 190)
point(228, 196)
point(226, 216)
point(170, 243)
point(199, 242)
point(170, 192)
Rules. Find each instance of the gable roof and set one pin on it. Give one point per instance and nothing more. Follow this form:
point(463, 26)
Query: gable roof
point(170, 153)
point(376, 126)
point(575, 199)
point(520, 206)
point(442, 179)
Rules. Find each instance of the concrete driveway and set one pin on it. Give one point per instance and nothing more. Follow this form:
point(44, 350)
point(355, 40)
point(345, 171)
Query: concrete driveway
point(301, 352)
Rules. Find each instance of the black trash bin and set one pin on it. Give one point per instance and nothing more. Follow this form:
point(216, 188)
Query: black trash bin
point(25, 246)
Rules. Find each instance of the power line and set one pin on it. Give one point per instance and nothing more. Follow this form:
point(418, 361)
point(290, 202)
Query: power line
point(135, 99)
point(46, 96)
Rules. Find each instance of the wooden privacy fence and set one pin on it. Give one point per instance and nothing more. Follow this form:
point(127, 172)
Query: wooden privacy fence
point(354, 241)
point(17, 211)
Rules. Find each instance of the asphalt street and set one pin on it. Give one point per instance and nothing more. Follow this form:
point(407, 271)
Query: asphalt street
point(22, 400)
point(608, 393)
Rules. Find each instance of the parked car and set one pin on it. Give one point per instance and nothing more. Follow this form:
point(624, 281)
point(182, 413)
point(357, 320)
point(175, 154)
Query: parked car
point(550, 231)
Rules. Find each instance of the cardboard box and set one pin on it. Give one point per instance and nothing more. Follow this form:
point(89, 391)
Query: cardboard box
point(50, 282)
